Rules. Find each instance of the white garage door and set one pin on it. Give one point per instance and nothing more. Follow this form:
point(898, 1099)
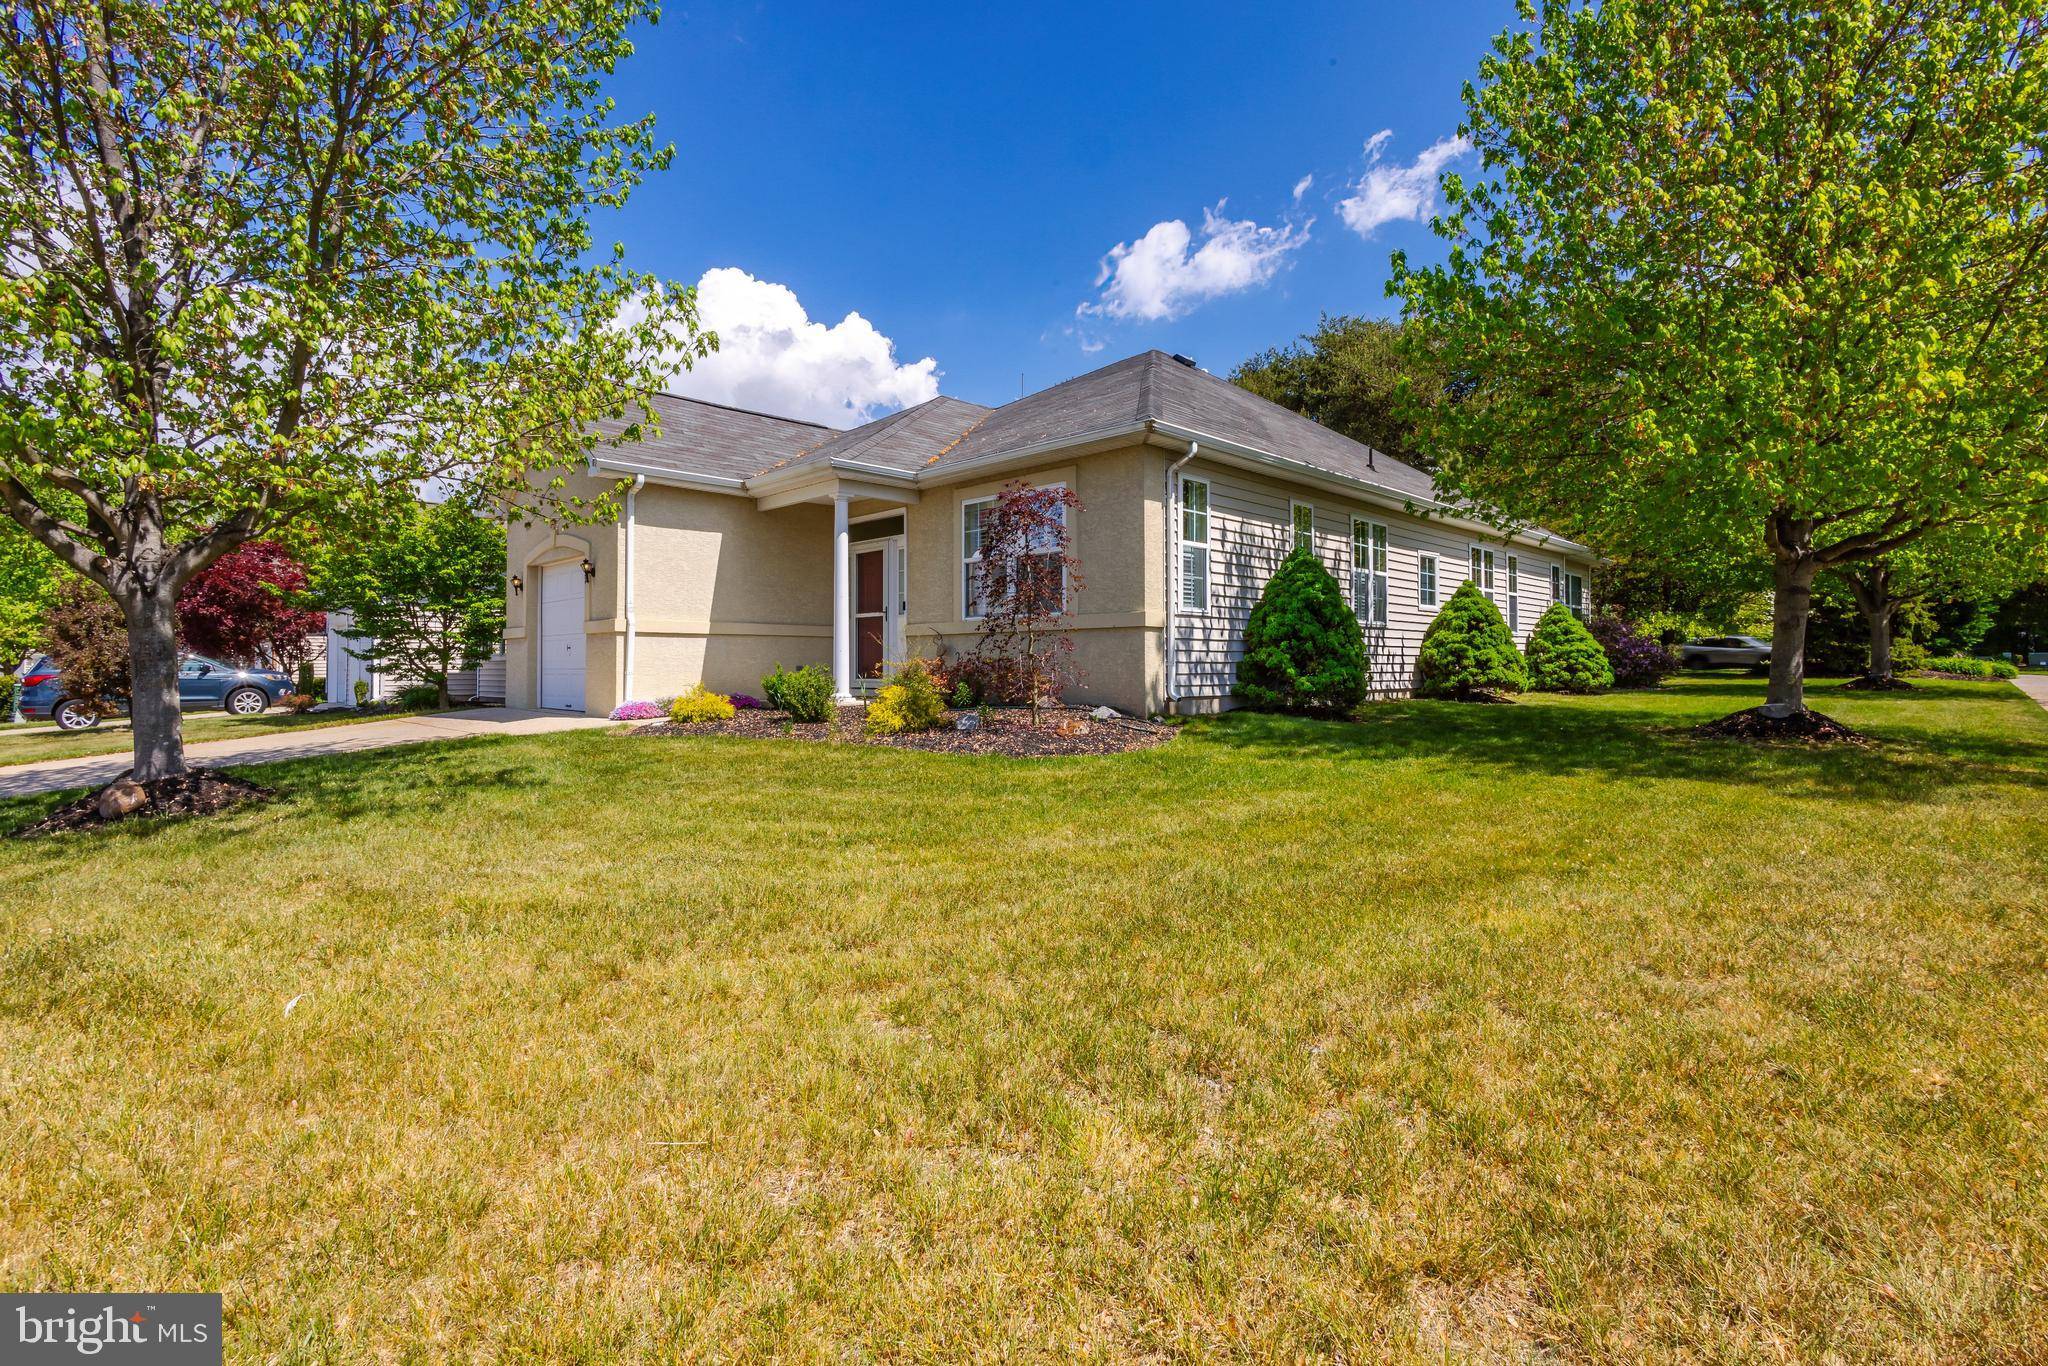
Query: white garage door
point(561, 637)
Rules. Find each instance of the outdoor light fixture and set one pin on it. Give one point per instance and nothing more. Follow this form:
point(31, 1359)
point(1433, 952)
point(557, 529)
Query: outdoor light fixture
point(589, 569)
point(518, 585)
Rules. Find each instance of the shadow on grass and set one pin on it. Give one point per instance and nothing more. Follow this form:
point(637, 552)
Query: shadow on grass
point(1641, 736)
point(430, 778)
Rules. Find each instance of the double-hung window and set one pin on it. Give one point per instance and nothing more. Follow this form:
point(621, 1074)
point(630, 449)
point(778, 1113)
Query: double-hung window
point(1482, 569)
point(1557, 583)
point(1425, 581)
point(1575, 595)
point(1514, 597)
point(1303, 518)
point(1369, 571)
point(972, 516)
point(1194, 545)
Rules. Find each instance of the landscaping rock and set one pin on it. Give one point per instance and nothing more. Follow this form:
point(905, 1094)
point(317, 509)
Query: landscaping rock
point(198, 793)
point(967, 721)
point(122, 798)
point(1105, 713)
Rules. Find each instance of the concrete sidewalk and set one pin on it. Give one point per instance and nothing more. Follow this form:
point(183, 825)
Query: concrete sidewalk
point(56, 775)
point(2034, 686)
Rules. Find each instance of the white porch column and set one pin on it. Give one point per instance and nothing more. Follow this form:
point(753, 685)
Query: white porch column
point(842, 603)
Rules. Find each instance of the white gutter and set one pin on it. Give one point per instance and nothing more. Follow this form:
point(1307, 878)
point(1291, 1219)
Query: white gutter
point(704, 483)
point(1173, 569)
point(632, 499)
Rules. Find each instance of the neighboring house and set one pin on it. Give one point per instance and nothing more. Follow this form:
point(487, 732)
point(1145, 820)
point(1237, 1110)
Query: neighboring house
point(485, 683)
point(749, 540)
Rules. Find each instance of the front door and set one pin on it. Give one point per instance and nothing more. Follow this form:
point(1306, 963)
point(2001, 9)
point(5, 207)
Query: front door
point(870, 612)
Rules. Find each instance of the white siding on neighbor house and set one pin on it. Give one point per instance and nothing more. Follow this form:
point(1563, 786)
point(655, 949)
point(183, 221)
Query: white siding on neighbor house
point(1251, 531)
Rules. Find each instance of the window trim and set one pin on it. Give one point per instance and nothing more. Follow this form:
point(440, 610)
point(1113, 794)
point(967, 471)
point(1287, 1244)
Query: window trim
point(1557, 583)
point(1579, 609)
point(1187, 543)
point(1370, 608)
point(1066, 587)
point(1481, 559)
point(1514, 595)
point(1295, 507)
point(1427, 563)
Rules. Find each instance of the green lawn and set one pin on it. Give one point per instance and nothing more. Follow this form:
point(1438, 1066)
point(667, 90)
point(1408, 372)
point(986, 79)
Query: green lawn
point(1531, 1030)
point(29, 744)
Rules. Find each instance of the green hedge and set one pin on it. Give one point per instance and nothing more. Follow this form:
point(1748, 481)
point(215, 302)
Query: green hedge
point(1973, 668)
point(1564, 657)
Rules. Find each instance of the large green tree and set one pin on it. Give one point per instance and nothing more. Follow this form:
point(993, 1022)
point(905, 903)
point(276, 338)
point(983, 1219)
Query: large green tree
point(269, 264)
point(1750, 279)
point(1351, 376)
point(1965, 562)
point(426, 591)
point(28, 585)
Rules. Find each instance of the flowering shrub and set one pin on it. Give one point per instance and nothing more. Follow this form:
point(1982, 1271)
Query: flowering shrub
point(701, 704)
point(638, 711)
point(746, 703)
point(911, 701)
point(1638, 660)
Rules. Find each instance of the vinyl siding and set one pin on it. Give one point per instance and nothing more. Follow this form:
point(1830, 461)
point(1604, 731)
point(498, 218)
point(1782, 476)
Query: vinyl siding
point(1250, 533)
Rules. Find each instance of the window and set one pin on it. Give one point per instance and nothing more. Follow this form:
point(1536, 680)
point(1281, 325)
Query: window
point(1303, 516)
point(1194, 545)
point(1482, 569)
point(1514, 597)
point(1556, 583)
point(1575, 595)
point(1369, 571)
point(972, 515)
point(1425, 581)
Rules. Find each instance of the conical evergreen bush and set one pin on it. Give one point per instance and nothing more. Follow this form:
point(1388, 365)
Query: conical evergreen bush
point(1564, 657)
point(1468, 650)
point(1303, 651)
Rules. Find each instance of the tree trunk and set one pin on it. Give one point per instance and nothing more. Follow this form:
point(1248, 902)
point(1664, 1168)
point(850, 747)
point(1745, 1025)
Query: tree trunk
point(153, 683)
point(1871, 586)
point(1795, 568)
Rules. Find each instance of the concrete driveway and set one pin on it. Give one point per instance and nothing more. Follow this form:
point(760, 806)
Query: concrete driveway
point(2034, 686)
point(55, 775)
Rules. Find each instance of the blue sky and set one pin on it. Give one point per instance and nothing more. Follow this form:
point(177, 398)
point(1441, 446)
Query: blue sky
point(957, 175)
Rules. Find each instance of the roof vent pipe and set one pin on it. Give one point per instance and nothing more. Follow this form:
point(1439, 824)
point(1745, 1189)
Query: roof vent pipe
point(1188, 361)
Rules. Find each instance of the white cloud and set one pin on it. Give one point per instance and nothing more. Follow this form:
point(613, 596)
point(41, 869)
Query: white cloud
point(1387, 194)
point(772, 357)
point(1158, 276)
point(1301, 187)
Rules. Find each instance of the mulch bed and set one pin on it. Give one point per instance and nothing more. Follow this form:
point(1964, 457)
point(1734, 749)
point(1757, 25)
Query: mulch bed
point(1868, 684)
point(1007, 731)
point(1808, 726)
point(202, 792)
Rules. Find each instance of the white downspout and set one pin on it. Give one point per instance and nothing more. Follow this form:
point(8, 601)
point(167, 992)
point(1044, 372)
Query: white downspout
point(632, 501)
point(1173, 570)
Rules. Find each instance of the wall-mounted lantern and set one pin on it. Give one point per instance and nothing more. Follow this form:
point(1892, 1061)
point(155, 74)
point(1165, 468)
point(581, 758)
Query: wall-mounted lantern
point(589, 569)
point(518, 585)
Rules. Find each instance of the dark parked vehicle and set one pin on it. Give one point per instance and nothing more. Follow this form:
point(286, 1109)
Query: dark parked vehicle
point(202, 684)
point(1719, 652)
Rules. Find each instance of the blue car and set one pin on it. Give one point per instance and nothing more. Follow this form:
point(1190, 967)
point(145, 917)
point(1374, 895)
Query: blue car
point(202, 683)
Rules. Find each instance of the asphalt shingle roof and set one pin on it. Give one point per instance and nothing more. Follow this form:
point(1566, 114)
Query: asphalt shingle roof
point(712, 439)
point(707, 438)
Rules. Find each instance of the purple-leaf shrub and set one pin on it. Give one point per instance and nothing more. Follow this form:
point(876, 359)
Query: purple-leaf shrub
point(746, 703)
point(638, 711)
point(1639, 662)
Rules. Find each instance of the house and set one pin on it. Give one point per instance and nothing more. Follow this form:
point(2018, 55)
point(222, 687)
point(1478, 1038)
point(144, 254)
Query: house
point(749, 540)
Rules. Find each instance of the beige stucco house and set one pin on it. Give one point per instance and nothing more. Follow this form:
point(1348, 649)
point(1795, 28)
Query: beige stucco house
point(749, 540)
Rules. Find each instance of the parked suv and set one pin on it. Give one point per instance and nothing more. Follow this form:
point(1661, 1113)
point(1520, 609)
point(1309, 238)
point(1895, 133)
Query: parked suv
point(1721, 651)
point(202, 683)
